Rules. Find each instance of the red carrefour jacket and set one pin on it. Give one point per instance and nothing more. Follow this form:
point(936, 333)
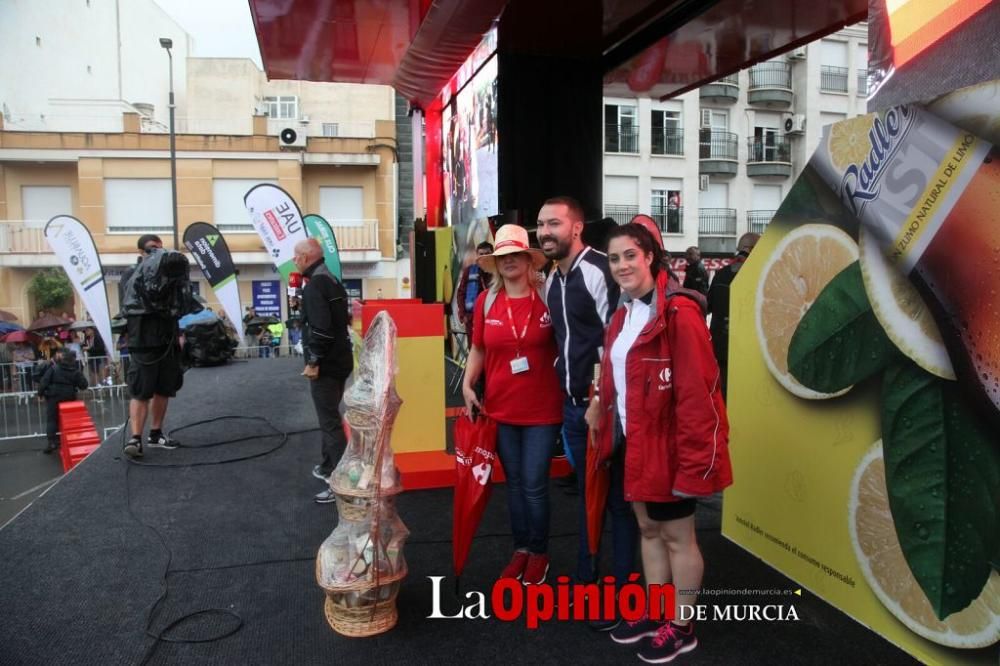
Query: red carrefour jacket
point(677, 433)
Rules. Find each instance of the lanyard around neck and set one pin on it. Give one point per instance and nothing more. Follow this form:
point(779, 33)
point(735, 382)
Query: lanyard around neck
point(510, 318)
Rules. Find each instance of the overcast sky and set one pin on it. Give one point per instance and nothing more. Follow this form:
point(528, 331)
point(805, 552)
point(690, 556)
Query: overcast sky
point(220, 28)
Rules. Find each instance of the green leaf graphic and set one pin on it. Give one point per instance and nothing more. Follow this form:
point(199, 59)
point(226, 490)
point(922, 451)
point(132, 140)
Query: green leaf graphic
point(942, 474)
point(839, 342)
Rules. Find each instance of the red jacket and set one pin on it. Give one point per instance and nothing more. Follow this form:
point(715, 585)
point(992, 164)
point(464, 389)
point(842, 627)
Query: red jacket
point(677, 433)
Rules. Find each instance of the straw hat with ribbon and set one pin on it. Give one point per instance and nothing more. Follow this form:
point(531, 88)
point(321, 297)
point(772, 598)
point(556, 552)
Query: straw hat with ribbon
point(511, 239)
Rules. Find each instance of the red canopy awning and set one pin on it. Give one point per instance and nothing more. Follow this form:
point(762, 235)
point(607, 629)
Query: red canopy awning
point(417, 45)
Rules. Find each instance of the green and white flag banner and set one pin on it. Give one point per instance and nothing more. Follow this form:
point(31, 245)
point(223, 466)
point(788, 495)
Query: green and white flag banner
point(71, 241)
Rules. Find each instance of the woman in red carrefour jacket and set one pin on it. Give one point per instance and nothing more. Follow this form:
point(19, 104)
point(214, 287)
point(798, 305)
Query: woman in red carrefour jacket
point(659, 397)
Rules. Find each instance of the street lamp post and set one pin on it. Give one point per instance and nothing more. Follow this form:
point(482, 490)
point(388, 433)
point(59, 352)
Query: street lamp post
point(167, 44)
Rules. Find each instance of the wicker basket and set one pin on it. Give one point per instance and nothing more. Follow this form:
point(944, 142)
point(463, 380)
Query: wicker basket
point(363, 620)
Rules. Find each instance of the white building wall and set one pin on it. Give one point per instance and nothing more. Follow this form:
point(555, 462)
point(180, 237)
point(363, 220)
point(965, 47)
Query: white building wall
point(808, 100)
point(74, 65)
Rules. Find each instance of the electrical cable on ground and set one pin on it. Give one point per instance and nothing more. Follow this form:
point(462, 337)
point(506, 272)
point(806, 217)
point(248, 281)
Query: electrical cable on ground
point(162, 636)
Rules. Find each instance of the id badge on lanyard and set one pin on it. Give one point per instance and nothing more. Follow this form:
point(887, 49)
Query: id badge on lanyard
point(519, 363)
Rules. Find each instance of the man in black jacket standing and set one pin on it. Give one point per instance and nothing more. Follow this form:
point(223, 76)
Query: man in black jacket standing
point(327, 347)
point(59, 384)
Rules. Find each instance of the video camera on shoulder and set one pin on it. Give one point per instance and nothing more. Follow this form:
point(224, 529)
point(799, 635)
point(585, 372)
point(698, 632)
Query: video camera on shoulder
point(160, 285)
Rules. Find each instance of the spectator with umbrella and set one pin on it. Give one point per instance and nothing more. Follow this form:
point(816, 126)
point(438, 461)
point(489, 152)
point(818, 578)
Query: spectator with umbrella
point(659, 401)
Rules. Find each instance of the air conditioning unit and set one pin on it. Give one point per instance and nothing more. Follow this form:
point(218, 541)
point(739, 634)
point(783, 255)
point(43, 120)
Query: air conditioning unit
point(797, 54)
point(292, 139)
point(703, 182)
point(304, 120)
point(795, 124)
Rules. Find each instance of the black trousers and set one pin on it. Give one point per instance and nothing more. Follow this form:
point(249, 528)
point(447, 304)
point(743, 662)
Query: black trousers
point(326, 394)
point(52, 414)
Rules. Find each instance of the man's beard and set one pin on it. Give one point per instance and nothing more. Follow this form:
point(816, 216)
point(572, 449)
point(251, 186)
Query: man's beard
point(561, 250)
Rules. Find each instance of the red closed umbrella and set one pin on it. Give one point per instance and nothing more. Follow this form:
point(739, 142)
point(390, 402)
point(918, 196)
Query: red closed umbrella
point(598, 481)
point(475, 458)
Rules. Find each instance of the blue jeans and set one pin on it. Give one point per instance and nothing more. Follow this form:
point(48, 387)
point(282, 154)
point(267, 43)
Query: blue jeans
point(525, 453)
point(624, 529)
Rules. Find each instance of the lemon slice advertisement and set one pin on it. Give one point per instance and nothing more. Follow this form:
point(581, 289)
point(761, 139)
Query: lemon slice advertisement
point(865, 468)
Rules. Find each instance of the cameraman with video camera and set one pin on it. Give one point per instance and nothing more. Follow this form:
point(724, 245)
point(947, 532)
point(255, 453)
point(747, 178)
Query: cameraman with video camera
point(156, 293)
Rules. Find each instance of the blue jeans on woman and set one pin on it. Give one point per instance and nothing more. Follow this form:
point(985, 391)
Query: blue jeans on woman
point(525, 453)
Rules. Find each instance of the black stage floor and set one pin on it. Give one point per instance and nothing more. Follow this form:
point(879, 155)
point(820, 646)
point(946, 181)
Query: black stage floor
point(85, 563)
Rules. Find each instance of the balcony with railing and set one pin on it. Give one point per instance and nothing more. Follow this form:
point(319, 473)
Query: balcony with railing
point(667, 141)
point(757, 220)
point(771, 85)
point(669, 220)
point(833, 79)
point(863, 82)
point(717, 152)
point(621, 139)
point(23, 237)
point(621, 213)
point(769, 156)
point(717, 222)
point(726, 89)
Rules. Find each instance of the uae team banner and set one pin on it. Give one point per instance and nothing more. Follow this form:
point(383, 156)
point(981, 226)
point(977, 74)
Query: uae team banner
point(318, 228)
point(210, 251)
point(278, 220)
point(865, 379)
point(73, 244)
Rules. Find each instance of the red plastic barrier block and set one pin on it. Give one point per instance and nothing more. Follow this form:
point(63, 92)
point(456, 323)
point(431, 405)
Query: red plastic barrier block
point(85, 438)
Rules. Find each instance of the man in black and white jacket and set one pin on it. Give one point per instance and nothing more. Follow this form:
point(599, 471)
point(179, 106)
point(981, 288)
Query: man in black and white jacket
point(581, 296)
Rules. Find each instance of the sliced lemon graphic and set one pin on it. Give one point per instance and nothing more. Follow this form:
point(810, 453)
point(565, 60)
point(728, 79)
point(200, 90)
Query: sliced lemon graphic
point(902, 311)
point(800, 267)
point(884, 567)
point(848, 141)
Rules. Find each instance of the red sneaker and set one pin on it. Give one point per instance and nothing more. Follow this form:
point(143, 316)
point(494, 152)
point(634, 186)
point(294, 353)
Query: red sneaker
point(516, 567)
point(534, 572)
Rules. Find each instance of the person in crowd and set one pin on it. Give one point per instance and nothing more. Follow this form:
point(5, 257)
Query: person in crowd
point(251, 332)
point(264, 342)
point(48, 347)
point(97, 356)
point(718, 303)
point(659, 402)
point(473, 282)
point(74, 344)
point(696, 275)
point(294, 324)
point(59, 384)
point(581, 296)
point(24, 355)
point(277, 331)
point(154, 373)
point(328, 355)
point(514, 342)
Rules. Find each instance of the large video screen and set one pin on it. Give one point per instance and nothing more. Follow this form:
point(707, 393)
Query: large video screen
point(470, 152)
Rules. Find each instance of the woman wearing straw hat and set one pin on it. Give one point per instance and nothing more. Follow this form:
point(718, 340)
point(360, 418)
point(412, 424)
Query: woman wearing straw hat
point(514, 342)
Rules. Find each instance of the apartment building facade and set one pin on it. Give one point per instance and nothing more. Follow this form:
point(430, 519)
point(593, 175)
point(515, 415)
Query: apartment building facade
point(717, 162)
point(104, 157)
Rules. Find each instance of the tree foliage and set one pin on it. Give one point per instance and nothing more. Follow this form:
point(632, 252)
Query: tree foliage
point(51, 289)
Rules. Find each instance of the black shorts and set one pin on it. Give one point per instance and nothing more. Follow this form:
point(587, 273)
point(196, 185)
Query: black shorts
point(155, 372)
point(664, 511)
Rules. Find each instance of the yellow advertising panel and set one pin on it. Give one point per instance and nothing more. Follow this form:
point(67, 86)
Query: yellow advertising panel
point(863, 386)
